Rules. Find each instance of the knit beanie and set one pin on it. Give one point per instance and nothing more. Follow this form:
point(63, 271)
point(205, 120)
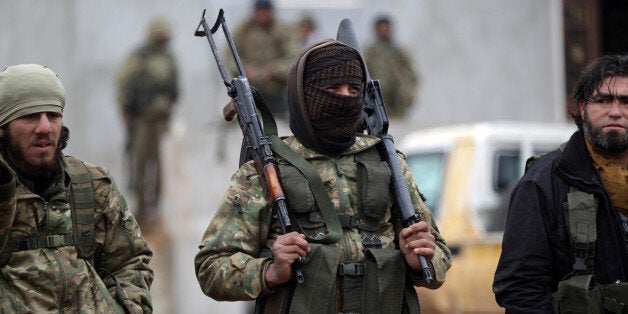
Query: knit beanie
point(27, 89)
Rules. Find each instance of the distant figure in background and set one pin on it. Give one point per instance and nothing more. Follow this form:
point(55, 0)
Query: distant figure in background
point(147, 91)
point(266, 47)
point(306, 30)
point(389, 64)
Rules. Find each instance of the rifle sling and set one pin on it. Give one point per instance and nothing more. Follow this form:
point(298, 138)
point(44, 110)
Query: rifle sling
point(323, 201)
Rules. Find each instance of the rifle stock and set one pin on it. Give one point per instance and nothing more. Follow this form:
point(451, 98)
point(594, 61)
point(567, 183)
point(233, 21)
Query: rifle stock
point(256, 143)
point(376, 124)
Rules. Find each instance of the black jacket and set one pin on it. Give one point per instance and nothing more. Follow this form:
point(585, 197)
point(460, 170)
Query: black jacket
point(536, 246)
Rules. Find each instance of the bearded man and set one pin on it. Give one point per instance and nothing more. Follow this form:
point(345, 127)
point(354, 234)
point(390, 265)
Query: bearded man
point(566, 237)
point(68, 242)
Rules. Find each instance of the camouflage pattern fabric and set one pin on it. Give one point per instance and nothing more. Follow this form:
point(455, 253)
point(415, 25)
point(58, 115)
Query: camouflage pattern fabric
point(399, 81)
point(147, 91)
point(54, 279)
point(267, 49)
point(7, 208)
point(228, 266)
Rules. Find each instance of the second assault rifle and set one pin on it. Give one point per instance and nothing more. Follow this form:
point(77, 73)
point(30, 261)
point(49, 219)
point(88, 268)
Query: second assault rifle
point(255, 141)
point(376, 124)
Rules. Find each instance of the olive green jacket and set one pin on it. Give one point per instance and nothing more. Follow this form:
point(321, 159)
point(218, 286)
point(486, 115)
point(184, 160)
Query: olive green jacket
point(229, 266)
point(55, 279)
point(399, 80)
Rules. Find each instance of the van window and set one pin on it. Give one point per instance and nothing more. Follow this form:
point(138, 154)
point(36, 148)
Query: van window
point(506, 173)
point(508, 169)
point(428, 171)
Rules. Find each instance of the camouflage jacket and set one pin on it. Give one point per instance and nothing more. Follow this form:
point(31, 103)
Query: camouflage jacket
point(228, 266)
point(147, 83)
point(259, 47)
point(55, 279)
point(398, 79)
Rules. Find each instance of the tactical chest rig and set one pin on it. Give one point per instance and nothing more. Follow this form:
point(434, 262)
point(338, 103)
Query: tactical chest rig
point(578, 292)
point(82, 210)
point(378, 284)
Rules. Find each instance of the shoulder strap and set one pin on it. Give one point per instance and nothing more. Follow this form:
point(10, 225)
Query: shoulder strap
point(313, 178)
point(316, 185)
point(83, 208)
point(580, 216)
point(534, 158)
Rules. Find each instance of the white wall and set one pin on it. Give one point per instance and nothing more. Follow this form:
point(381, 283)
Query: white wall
point(478, 60)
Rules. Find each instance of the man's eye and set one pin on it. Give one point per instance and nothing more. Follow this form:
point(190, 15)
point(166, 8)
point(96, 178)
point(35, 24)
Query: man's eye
point(332, 88)
point(603, 99)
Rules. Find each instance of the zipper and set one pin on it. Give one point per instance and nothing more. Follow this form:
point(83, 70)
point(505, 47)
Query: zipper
point(339, 185)
point(64, 286)
point(236, 207)
point(125, 231)
point(346, 245)
point(44, 225)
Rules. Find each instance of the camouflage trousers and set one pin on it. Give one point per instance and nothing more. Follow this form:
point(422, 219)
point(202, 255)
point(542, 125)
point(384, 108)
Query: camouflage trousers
point(144, 162)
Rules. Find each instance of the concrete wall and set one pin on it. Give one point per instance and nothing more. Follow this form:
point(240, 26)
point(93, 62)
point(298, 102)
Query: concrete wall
point(478, 60)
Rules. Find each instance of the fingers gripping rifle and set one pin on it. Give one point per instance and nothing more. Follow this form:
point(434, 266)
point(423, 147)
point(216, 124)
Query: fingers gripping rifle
point(243, 105)
point(376, 124)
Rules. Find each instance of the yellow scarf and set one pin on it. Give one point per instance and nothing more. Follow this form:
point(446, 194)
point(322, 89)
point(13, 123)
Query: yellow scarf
point(614, 178)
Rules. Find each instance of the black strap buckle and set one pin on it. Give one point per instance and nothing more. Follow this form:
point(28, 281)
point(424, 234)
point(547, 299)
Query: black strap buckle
point(371, 242)
point(580, 256)
point(351, 269)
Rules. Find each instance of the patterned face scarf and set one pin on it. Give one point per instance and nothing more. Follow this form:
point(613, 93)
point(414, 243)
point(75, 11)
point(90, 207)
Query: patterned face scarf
point(334, 117)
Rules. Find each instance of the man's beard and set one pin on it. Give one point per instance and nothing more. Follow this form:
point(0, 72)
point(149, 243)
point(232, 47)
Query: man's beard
point(612, 141)
point(36, 172)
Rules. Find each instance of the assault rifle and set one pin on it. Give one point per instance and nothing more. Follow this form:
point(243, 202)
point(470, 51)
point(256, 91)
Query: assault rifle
point(255, 141)
point(376, 124)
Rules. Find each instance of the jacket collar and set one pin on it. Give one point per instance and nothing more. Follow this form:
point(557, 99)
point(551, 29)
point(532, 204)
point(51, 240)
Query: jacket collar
point(362, 142)
point(575, 164)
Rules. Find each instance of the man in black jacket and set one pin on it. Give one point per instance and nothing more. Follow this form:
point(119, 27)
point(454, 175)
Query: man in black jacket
point(539, 253)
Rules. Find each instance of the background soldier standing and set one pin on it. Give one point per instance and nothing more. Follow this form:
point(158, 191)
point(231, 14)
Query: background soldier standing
point(307, 30)
point(267, 47)
point(389, 64)
point(147, 91)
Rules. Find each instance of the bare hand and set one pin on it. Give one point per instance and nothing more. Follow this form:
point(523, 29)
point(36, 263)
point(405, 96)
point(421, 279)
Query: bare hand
point(286, 249)
point(417, 239)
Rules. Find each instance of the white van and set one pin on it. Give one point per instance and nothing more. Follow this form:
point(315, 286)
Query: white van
point(466, 172)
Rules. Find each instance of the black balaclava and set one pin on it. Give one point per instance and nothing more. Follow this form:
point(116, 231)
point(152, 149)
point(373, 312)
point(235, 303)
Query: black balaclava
point(330, 119)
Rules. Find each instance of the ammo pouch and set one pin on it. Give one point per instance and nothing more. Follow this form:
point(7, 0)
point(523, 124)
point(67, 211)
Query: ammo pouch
point(376, 285)
point(306, 215)
point(316, 295)
point(309, 203)
point(579, 294)
point(373, 188)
